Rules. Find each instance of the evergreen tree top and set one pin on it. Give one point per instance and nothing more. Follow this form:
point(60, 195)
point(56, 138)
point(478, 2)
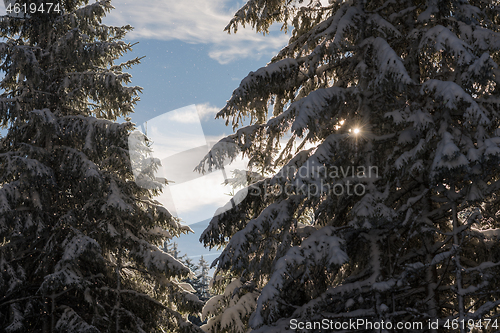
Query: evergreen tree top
point(43, 56)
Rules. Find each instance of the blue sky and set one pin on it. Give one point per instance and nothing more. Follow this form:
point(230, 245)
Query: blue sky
point(189, 59)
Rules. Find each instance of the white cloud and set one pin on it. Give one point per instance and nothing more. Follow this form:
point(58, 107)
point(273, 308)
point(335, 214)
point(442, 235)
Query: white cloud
point(175, 131)
point(198, 199)
point(191, 114)
point(196, 21)
point(186, 115)
point(206, 111)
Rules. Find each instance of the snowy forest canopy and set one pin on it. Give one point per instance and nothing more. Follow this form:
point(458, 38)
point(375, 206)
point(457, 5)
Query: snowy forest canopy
point(396, 98)
point(409, 88)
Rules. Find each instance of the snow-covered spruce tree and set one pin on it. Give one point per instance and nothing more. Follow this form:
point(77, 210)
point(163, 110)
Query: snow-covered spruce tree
point(387, 207)
point(199, 281)
point(202, 280)
point(78, 237)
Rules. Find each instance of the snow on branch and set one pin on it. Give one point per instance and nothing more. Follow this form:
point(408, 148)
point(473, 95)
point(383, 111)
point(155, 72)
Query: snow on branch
point(224, 225)
point(154, 259)
point(346, 23)
point(116, 200)
point(272, 220)
point(371, 207)
point(410, 155)
point(45, 116)
point(66, 272)
point(488, 233)
point(70, 321)
point(183, 295)
point(261, 14)
point(324, 31)
point(15, 163)
point(229, 312)
point(451, 95)
point(442, 39)
point(448, 156)
point(389, 64)
point(484, 309)
point(223, 150)
point(95, 10)
point(384, 27)
point(482, 65)
point(306, 111)
point(319, 248)
point(255, 90)
point(228, 148)
point(421, 119)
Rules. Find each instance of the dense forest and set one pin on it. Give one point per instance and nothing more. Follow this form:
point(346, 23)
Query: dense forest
point(371, 195)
